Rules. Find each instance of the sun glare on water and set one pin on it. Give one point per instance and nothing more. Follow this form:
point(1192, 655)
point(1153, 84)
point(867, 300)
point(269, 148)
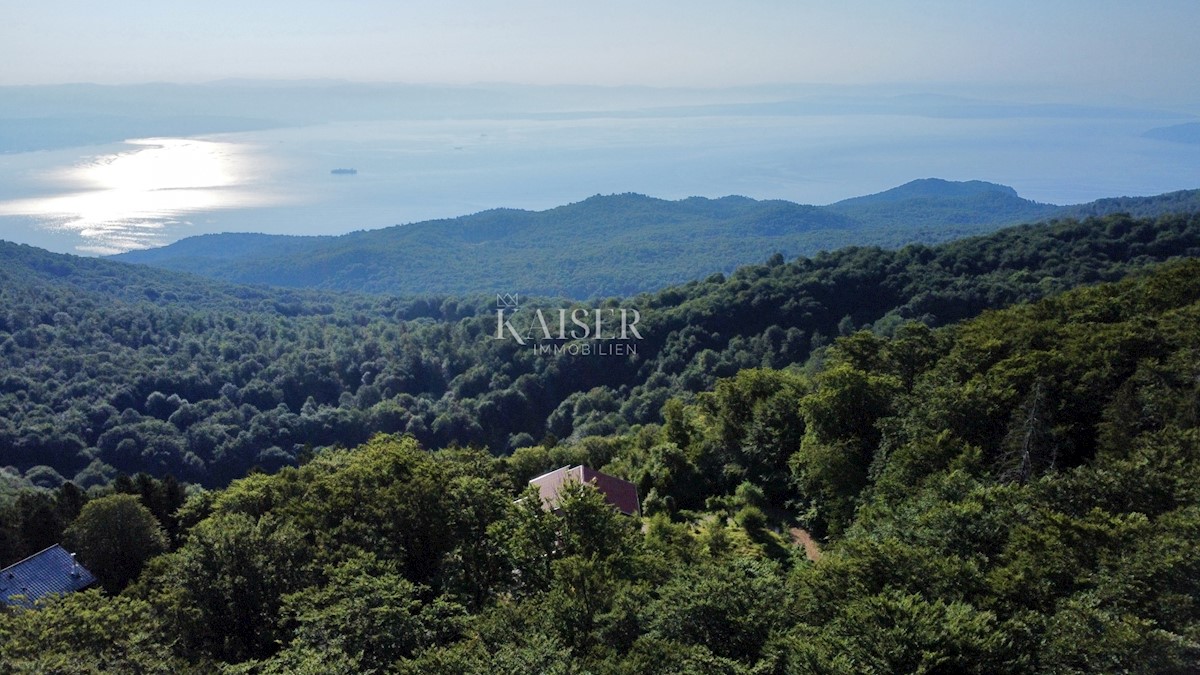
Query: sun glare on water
point(163, 164)
point(127, 200)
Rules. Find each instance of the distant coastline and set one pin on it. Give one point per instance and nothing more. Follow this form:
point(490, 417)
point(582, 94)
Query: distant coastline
point(344, 172)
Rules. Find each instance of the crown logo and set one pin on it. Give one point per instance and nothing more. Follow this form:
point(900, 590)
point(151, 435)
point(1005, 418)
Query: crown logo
point(507, 300)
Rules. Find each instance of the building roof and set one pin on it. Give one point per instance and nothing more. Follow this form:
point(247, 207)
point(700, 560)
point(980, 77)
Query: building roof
point(620, 493)
point(52, 570)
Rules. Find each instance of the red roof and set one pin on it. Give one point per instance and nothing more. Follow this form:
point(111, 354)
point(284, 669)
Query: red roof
point(620, 493)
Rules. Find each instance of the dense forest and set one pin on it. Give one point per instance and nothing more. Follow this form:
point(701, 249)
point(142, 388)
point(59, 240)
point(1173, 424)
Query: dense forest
point(110, 368)
point(618, 245)
point(1010, 494)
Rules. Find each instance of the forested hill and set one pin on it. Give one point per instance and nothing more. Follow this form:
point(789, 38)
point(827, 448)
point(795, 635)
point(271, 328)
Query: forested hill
point(932, 204)
point(1013, 494)
point(617, 244)
point(108, 368)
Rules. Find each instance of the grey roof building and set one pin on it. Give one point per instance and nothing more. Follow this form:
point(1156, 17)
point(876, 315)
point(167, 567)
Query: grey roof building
point(47, 572)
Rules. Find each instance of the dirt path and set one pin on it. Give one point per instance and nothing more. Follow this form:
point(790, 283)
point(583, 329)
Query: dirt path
point(801, 537)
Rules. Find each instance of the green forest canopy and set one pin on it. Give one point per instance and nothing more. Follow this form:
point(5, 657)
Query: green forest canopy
point(109, 368)
point(1015, 493)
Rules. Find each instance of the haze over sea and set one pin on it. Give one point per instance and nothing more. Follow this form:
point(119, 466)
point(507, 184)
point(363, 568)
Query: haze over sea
point(111, 197)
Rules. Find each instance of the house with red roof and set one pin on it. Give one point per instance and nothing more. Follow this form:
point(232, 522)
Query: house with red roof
point(620, 493)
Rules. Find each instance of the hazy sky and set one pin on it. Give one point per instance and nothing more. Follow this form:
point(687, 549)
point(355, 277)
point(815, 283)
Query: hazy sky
point(1143, 50)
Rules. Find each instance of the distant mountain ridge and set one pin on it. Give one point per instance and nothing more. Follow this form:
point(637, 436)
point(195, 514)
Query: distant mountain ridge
point(933, 202)
point(929, 188)
point(617, 244)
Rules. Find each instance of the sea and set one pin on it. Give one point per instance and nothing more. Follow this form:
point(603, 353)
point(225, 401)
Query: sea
point(147, 192)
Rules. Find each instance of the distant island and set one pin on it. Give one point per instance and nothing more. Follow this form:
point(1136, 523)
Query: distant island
point(344, 172)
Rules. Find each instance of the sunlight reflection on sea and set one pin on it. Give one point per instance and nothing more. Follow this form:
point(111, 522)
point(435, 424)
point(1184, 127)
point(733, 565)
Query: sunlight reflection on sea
point(141, 195)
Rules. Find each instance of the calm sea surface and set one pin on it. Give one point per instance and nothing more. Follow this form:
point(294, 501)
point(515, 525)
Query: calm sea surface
point(150, 192)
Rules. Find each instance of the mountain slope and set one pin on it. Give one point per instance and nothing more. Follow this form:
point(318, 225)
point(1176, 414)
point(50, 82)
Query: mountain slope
point(617, 244)
point(1182, 201)
point(108, 367)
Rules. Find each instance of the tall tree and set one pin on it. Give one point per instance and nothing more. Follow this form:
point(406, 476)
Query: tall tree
point(114, 536)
